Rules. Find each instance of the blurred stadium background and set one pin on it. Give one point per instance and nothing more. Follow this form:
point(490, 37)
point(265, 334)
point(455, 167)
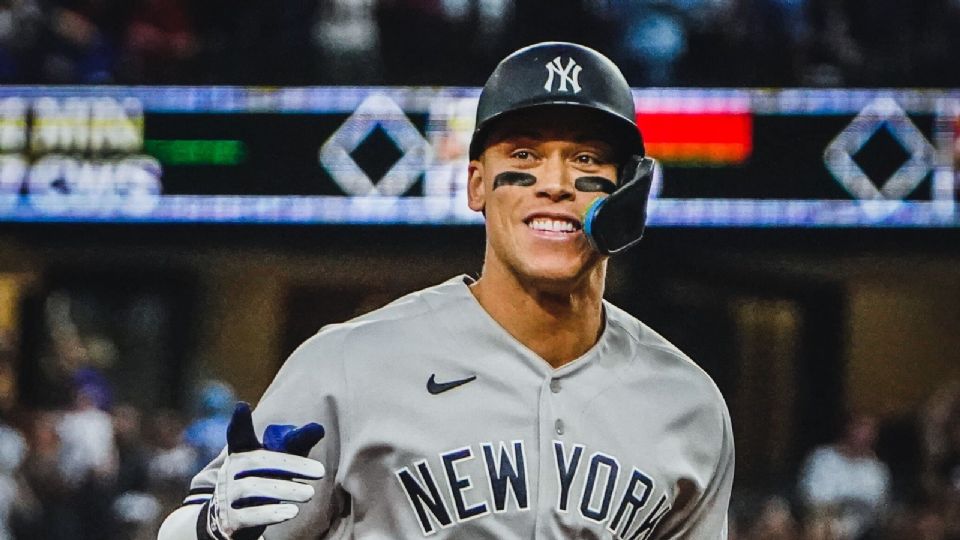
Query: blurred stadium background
point(190, 189)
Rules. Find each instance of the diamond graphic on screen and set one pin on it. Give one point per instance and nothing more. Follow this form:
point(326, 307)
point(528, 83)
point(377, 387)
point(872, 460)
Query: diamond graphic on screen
point(376, 154)
point(882, 155)
point(882, 113)
point(375, 111)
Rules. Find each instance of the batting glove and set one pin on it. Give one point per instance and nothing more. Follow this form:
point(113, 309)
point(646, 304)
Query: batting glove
point(257, 484)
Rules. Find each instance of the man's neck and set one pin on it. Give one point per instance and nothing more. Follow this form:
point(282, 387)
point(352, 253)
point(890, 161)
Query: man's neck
point(559, 324)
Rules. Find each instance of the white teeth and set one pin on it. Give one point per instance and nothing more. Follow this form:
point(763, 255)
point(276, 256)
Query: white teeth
point(552, 225)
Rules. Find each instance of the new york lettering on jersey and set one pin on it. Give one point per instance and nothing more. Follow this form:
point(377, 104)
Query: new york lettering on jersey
point(447, 498)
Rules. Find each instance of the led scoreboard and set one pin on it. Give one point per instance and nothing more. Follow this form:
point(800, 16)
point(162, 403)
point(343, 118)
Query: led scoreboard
point(741, 158)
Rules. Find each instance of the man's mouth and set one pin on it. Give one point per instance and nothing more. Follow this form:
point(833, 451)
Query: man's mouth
point(553, 224)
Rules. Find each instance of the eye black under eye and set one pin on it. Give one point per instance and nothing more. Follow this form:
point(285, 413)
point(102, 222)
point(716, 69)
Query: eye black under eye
point(594, 184)
point(514, 178)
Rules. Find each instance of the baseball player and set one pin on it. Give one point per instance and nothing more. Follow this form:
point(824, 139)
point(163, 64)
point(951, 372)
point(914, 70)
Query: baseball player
point(516, 405)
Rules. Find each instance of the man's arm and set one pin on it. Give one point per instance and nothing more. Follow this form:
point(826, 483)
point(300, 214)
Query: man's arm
point(708, 518)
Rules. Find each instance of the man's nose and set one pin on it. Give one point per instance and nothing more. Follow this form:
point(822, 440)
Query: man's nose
point(556, 181)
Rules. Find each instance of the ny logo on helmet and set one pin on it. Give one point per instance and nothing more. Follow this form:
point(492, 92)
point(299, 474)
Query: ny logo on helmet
point(569, 74)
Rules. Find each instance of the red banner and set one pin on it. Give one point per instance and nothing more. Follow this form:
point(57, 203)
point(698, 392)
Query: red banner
point(698, 138)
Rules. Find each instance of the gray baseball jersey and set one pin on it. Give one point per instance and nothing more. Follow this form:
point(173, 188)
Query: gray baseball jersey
point(440, 424)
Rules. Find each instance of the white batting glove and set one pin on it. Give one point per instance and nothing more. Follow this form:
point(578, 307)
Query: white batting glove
point(257, 485)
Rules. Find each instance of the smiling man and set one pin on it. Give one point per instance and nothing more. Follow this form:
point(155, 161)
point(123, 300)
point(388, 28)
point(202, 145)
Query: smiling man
point(515, 406)
point(542, 281)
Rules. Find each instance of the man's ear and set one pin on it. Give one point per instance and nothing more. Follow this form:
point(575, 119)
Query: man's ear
point(476, 189)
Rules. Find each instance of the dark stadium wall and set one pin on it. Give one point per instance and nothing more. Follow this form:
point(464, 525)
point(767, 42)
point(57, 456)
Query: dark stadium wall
point(903, 333)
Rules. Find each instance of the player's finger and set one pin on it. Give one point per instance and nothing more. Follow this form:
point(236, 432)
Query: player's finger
point(240, 434)
point(301, 440)
point(274, 435)
point(270, 514)
point(276, 464)
point(291, 439)
point(271, 489)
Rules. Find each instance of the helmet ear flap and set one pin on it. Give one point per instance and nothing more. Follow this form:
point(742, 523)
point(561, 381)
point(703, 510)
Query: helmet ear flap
point(615, 223)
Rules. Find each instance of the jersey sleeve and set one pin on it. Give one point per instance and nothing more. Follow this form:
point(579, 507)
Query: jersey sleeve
point(708, 519)
point(310, 387)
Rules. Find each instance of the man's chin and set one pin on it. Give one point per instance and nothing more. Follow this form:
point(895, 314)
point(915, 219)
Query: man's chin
point(557, 278)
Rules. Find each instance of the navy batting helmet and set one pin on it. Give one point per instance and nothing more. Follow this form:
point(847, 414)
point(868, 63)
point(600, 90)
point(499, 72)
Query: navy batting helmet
point(558, 74)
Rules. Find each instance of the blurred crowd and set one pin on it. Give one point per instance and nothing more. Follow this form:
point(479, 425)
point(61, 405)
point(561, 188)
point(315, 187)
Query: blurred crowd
point(98, 470)
point(457, 42)
point(892, 480)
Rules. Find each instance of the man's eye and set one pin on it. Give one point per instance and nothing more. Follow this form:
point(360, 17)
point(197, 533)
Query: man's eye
point(521, 154)
point(587, 159)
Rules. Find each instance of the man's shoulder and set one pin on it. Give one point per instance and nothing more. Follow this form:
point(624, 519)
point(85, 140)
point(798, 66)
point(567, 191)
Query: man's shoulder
point(401, 317)
point(399, 328)
point(415, 305)
point(653, 354)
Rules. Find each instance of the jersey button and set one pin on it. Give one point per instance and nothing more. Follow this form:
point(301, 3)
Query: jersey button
point(555, 386)
point(559, 426)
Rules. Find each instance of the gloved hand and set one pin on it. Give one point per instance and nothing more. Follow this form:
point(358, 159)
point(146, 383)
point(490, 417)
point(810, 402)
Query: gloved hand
point(614, 223)
point(258, 484)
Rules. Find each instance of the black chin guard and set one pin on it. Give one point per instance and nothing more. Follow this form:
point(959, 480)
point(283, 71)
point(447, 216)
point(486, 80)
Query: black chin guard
point(614, 223)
